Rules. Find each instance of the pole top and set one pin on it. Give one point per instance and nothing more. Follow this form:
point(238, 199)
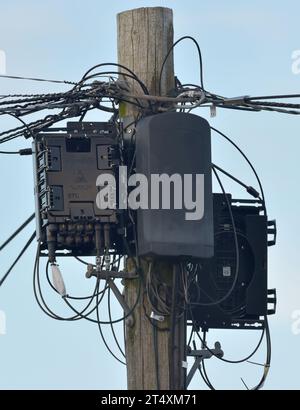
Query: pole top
point(148, 9)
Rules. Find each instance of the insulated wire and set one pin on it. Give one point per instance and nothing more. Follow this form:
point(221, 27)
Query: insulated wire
point(169, 52)
point(24, 224)
point(111, 324)
point(30, 240)
point(101, 332)
point(247, 160)
point(237, 268)
point(14, 77)
point(42, 304)
point(110, 321)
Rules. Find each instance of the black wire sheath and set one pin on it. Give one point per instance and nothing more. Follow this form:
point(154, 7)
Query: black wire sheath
point(30, 240)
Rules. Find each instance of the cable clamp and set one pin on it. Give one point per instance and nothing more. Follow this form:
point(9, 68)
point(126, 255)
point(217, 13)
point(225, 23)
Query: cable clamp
point(159, 318)
point(236, 100)
point(213, 111)
point(184, 364)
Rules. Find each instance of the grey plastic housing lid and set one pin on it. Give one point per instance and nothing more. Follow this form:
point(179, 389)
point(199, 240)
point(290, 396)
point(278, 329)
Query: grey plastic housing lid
point(175, 143)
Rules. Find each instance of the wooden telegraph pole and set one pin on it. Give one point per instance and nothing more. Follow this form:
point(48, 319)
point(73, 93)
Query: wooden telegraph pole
point(144, 37)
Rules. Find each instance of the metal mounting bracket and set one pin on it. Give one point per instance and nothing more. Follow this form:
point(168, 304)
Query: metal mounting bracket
point(105, 274)
point(199, 356)
point(109, 276)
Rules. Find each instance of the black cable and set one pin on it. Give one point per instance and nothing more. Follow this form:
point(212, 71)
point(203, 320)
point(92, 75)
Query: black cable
point(248, 188)
point(273, 97)
point(268, 357)
point(248, 161)
point(273, 109)
point(237, 268)
point(111, 321)
point(169, 52)
point(83, 115)
point(191, 336)
point(123, 68)
point(51, 120)
point(80, 314)
point(43, 305)
point(24, 224)
point(203, 373)
point(268, 360)
point(14, 77)
point(69, 296)
point(172, 326)
point(23, 122)
point(20, 130)
point(18, 258)
point(209, 384)
point(156, 354)
point(111, 324)
point(236, 107)
point(29, 98)
point(34, 278)
point(151, 321)
point(204, 376)
point(133, 77)
point(101, 332)
point(273, 104)
point(234, 361)
point(83, 262)
point(207, 378)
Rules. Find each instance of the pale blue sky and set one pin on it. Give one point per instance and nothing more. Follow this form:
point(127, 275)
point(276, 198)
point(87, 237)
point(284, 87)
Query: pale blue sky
point(247, 48)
